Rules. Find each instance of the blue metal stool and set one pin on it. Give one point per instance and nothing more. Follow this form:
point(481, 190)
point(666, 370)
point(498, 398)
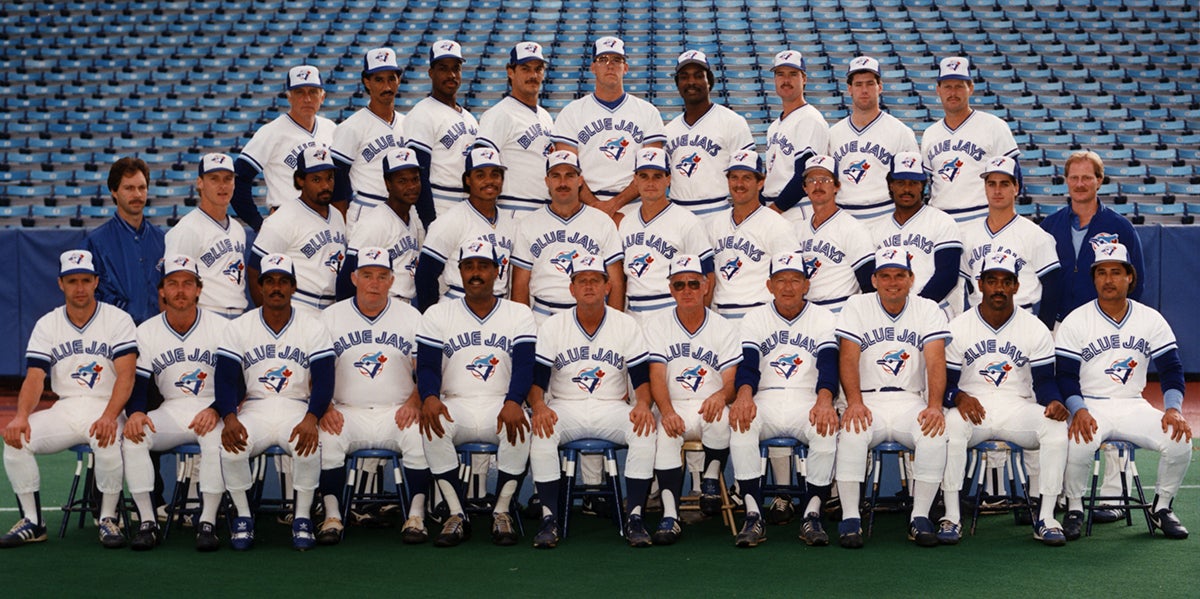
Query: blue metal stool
point(1013, 466)
point(903, 499)
point(258, 469)
point(465, 451)
point(770, 479)
point(356, 492)
point(83, 503)
point(609, 487)
point(1124, 501)
point(182, 504)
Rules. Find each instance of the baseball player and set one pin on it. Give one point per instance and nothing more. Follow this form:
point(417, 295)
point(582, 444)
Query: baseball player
point(654, 234)
point(549, 239)
point(927, 233)
point(799, 133)
point(785, 384)
point(361, 141)
point(279, 358)
point(375, 402)
point(606, 128)
point(475, 362)
point(864, 144)
point(477, 218)
point(586, 357)
point(275, 149)
point(839, 254)
point(693, 361)
point(519, 128)
point(701, 140)
point(177, 352)
point(308, 231)
point(1002, 230)
point(1000, 385)
point(89, 350)
point(217, 243)
point(441, 131)
point(1104, 350)
point(956, 148)
point(392, 225)
point(892, 364)
point(745, 237)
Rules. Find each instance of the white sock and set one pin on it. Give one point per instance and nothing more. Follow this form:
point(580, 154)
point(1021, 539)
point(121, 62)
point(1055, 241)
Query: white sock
point(304, 501)
point(145, 507)
point(1074, 504)
point(241, 503)
point(29, 508)
point(108, 505)
point(923, 494)
point(813, 507)
point(209, 506)
point(504, 497)
point(332, 509)
point(953, 509)
point(637, 511)
point(713, 469)
point(418, 506)
point(451, 497)
point(670, 508)
point(1046, 512)
point(751, 504)
point(849, 492)
point(1162, 502)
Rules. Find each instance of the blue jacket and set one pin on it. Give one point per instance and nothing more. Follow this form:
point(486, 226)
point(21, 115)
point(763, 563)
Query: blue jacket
point(127, 261)
point(1077, 285)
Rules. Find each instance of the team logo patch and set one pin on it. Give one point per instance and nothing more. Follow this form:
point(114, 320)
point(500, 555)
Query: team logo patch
point(1100, 240)
point(857, 170)
point(275, 260)
point(893, 362)
point(75, 258)
point(88, 375)
point(563, 261)
point(192, 383)
point(786, 366)
point(382, 56)
point(276, 379)
point(589, 378)
point(688, 165)
point(640, 263)
point(997, 162)
point(731, 268)
point(996, 372)
point(483, 367)
point(615, 147)
point(950, 169)
point(373, 254)
point(811, 266)
point(234, 271)
point(411, 267)
point(304, 74)
point(1121, 370)
point(692, 378)
point(446, 46)
point(334, 262)
point(371, 365)
point(953, 65)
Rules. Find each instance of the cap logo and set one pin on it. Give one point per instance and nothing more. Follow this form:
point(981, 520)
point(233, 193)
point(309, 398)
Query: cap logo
point(373, 254)
point(741, 156)
point(953, 65)
point(319, 154)
point(382, 56)
point(1108, 250)
point(785, 57)
point(76, 258)
point(530, 48)
point(182, 261)
point(303, 74)
point(909, 162)
point(997, 162)
point(860, 62)
point(691, 55)
point(446, 46)
point(609, 42)
point(476, 246)
point(683, 262)
point(275, 260)
point(219, 159)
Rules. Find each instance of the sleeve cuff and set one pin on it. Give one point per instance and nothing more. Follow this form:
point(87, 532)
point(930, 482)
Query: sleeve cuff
point(1173, 398)
point(1075, 403)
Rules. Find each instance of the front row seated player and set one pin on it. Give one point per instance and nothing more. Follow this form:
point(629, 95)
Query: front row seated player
point(1104, 351)
point(275, 370)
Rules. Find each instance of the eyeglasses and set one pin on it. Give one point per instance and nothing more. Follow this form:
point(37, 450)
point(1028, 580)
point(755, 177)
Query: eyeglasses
point(609, 60)
point(818, 181)
point(679, 285)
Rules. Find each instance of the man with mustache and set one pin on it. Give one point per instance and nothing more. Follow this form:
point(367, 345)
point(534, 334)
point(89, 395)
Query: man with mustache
point(799, 133)
point(841, 254)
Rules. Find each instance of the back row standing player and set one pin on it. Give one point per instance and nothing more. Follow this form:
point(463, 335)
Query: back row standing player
point(799, 133)
point(361, 141)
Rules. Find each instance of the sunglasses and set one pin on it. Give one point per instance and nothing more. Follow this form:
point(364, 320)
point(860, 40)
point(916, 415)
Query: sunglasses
point(679, 285)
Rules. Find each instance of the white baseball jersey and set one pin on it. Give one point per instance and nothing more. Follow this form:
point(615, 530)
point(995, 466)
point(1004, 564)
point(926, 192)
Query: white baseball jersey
point(694, 360)
point(1034, 248)
point(743, 257)
point(546, 244)
point(864, 157)
point(275, 148)
point(836, 249)
point(954, 159)
point(924, 234)
point(382, 227)
point(607, 139)
point(590, 366)
point(362, 141)
point(79, 361)
point(220, 249)
point(446, 134)
point(1113, 357)
point(521, 133)
point(649, 249)
point(998, 362)
point(476, 352)
point(788, 349)
point(277, 364)
point(375, 356)
point(803, 130)
point(316, 245)
point(892, 357)
point(182, 365)
point(461, 224)
point(698, 155)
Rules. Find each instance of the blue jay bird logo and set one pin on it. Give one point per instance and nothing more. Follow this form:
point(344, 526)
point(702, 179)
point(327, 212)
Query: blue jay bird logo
point(615, 148)
point(483, 367)
point(688, 165)
point(786, 366)
point(1121, 370)
point(192, 383)
point(857, 170)
point(997, 162)
point(373, 254)
point(234, 271)
point(334, 263)
point(997, 372)
point(950, 169)
point(411, 267)
point(640, 263)
point(811, 266)
point(371, 365)
point(75, 258)
point(382, 55)
point(589, 378)
point(731, 268)
point(953, 65)
point(88, 375)
point(692, 378)
point(276, 379)
point(1100, 240)
point(563, 261)
point(893, 362)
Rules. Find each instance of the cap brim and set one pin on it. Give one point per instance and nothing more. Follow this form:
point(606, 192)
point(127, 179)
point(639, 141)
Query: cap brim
point(910, 176)
point(444, 56)
point(652, 167)
point(816, 168)
point(958, 77)
point(789, 269)
point(475, 167)
point(77, 271)
point(679, 66)
point(871, 71)
point(791, 65)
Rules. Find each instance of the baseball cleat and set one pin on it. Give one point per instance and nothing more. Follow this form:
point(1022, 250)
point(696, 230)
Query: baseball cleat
point(206, 537)
point(1108, 515)
point(146, 537)
point(454, 531)
point(635, 532)
point(504, 533)
point(243, 534)
point(547, 534)
point(752, 532)
point(811, 531)
point(781, 510)
point(1050, 532)
point(330, 532)
point(668, 532)
point(710, 497)
point(596, 506)
point(949, 533)
point(371, 517)
point(850, 533)
point(1170, 525)
point(1073, 525)
point(414, 532)
point(22, 533)
point(110, 534)
point(921, 531)
point(302, 534)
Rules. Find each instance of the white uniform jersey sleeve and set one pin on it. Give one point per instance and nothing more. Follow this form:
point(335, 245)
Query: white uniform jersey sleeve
point(998, 362)
point(446, 135)
point(181, 365)
point(835, 249)
point(892, 346)
point(81, 359)
point(607, 139)
point(926, 233)
point(804, 130)
point(864, 157)
point(547, 244)
point(1113, 357)
point(220, 250)
point(362, 141)
point(375, 356)
point(461, 224)
point(743, 257)
point(275, 148)
point(277, 364)
point(522, 136)
point(649, 249)
point(586, 366)
point(694, 361)
point(381, 227)
point(316, 245)
point(476, 352)
point(788, 350)
point(1034, 248)
point(698, 155)
point(954, 159)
